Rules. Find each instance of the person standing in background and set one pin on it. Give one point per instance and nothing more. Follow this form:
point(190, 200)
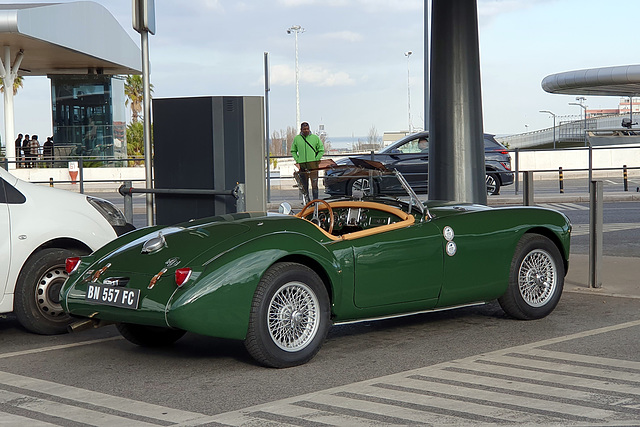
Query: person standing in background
point(307, 150)
point(34, 148)
point(26, 150)
point(18, 145)
point(47, 152)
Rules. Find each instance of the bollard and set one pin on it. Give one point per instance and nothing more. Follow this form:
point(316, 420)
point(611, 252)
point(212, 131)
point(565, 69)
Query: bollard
point(595, 234)
point(128, 203)
point(527, 195)
point(561, 179)
point(625, 177)
point(50, 182)
point(81, 168)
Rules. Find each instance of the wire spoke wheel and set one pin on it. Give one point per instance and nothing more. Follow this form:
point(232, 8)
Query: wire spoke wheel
point(290, 316)
point(537, 278)
point(293, 316)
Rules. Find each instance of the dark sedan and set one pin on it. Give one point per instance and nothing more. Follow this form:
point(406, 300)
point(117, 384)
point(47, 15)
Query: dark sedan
point(411, 158)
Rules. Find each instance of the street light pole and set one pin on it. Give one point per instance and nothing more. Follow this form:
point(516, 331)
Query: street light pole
point(408, 54)
point(581, 100)
point(554, 126)
point(295, 29)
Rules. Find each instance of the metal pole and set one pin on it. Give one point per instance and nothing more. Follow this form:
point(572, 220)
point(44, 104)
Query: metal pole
point(595, 234)
point(554, 126)
point(81, 167)
point(554, 131)
point(128, 203)
point(267, 88)
point(427, 29)
point(590, 162)
point(527, 178)
point(585, 126)
point(408, 55)
point(297, 87)
point(517, 177)
point(146, 122)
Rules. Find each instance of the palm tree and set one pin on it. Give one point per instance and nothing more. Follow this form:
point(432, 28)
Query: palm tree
point(135, 93)
point(17, 84)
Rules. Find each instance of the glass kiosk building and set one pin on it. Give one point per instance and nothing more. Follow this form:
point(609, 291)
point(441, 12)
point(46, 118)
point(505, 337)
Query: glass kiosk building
point(89, 116)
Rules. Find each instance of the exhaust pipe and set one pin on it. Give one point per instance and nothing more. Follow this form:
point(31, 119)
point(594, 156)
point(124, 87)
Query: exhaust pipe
point(84, 324)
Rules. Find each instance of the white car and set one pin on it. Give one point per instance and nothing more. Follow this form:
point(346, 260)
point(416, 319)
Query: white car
point(40, 227)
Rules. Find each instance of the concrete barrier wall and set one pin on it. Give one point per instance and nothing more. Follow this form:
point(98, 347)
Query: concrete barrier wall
point(530, 160)
point(578, 158)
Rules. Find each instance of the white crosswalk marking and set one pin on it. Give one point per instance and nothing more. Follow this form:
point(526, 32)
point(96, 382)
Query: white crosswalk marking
point(583, 229)
point(81, 405)
point(11, 420)
point(524, 385)
point(564, 206)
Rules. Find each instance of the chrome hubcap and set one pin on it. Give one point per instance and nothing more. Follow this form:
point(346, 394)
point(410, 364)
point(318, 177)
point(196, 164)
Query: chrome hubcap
point(48, 293)
point(293, 316)
point(537, 278)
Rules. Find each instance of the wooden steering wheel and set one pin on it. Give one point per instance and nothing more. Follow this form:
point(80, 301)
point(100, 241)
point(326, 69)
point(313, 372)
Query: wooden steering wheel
point(315, 218)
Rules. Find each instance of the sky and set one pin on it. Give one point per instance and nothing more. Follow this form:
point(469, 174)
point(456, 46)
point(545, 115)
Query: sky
point(354, 74)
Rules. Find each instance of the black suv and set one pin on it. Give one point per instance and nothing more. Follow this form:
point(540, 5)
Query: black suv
point(412, 161)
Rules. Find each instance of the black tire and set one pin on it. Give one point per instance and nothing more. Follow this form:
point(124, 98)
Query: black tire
point(536, 279)
point(360, 184)
point(37, 293)
point(149, 336)
point(493, 184)
point(303, 317)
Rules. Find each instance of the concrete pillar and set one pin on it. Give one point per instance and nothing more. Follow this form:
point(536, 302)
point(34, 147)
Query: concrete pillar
point(456, 146)
point(9, 135)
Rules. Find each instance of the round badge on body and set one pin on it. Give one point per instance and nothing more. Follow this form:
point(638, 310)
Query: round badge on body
point(451, 248)
point(448, 233)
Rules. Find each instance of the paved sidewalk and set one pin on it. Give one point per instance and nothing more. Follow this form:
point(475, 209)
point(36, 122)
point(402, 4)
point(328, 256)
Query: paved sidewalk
point(620, 276)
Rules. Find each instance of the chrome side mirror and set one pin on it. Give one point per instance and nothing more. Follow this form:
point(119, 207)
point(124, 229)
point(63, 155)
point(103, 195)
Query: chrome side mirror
point(285, 208)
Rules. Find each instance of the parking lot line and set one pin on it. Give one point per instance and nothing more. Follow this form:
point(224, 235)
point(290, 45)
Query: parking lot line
point(55, 347)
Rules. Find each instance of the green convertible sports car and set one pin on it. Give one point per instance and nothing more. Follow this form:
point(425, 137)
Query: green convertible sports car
point(279, 281)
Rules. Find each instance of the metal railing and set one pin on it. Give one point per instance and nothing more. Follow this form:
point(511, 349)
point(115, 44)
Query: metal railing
point(127, 190)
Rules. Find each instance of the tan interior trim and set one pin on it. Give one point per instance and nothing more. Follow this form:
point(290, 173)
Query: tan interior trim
point(405, 219)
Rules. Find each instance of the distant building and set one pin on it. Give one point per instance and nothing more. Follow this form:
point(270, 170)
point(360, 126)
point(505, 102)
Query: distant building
point(623, 108)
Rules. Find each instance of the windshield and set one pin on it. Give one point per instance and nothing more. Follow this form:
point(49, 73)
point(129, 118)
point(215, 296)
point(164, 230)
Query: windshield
point(411, 144)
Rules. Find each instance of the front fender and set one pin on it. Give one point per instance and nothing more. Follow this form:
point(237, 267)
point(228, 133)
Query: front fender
point(217, 302)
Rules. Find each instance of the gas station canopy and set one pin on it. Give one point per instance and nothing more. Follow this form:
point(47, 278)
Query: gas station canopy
point(67, 38)
point(621, 80)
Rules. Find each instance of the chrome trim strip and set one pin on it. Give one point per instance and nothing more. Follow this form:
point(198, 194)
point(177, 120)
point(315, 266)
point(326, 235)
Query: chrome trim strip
point(395, 316)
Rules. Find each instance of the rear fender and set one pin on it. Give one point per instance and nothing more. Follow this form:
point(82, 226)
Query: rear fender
point(217, 301)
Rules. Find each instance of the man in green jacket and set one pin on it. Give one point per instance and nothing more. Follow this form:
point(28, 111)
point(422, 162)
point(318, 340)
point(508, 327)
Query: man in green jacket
point(307, 150)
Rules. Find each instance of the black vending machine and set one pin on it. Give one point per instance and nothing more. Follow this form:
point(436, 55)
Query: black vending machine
point(209, 142)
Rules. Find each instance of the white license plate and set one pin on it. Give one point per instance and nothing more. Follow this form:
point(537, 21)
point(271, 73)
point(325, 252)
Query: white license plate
point(112, 295)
